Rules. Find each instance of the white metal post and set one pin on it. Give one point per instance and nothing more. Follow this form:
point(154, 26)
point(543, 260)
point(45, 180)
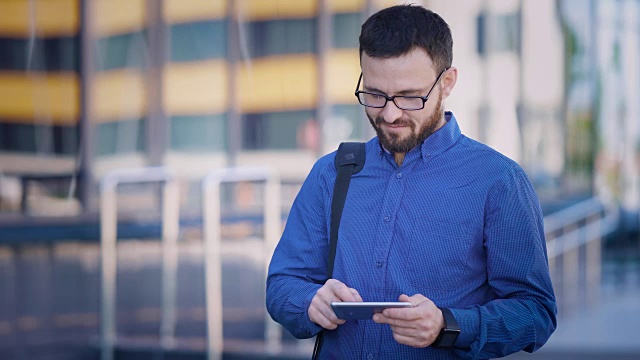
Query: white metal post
point(212, 248)
point(570, 267)
point(594, 262)
point(108, 237)
point(272, 230)
point(108, 229)
point(170, 233)
point(212, 266)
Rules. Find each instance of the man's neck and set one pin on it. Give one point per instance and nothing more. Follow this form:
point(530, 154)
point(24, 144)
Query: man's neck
point(399, 158)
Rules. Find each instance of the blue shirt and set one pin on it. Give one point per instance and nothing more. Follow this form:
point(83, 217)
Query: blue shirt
point(458, 223)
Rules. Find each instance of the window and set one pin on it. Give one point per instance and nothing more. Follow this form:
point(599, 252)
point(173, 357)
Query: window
point(276, 37)
point(120, 137)
point(481, 39)
point(38, 138)
point(278, 130)
point(354, 116)
point(507, 33)
point(50, 54)
point(122, 51)
point(65, 139)
point(498, 33)
point(198, 133)
point(346, 30)
point(18, 137)
point(198, 40)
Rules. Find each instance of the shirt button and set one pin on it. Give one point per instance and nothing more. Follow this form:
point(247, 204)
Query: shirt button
point(379, 264)
point(399, 176)
point(387, 218)
point(370, 357)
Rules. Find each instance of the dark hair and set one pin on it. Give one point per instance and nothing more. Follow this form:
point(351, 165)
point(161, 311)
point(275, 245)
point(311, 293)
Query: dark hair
point(395, 31)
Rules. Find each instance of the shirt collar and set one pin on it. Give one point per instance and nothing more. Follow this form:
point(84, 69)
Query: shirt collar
point(443, 138)
point(440, 140)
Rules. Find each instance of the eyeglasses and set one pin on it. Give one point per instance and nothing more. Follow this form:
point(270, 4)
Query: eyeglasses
point(378, 101)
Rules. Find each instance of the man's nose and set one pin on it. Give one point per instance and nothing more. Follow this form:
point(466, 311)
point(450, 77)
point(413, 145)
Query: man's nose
point(391, 112)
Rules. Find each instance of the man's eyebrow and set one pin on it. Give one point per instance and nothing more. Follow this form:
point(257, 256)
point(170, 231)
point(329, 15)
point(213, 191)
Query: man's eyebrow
point(408, 92)
point(372, 89)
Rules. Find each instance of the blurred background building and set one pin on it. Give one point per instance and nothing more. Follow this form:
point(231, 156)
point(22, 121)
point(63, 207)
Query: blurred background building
point(88, 87)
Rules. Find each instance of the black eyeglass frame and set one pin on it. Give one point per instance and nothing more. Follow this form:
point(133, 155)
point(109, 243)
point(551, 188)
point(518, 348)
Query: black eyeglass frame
point(392, 98)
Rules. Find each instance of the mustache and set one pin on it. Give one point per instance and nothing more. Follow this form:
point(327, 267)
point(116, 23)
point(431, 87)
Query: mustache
point(398, 122)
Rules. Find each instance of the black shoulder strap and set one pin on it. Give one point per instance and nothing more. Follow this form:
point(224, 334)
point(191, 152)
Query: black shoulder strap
point(349, 160)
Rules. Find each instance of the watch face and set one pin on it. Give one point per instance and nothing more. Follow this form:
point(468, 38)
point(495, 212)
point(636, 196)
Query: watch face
point(446, 339)
point(449, 338)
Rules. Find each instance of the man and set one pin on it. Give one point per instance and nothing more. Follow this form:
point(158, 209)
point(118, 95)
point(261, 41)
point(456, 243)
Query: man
point(434, 218)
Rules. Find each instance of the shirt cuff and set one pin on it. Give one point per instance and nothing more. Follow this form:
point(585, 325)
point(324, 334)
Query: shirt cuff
point(311, 327)
point(469, 322)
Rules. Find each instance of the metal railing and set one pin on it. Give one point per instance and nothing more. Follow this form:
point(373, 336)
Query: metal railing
point(212, 244)
point(108, 239)
point(574, 240)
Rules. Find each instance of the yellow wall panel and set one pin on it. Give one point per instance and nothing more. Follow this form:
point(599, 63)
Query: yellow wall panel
point(343, 69)
point(276, 9)
point(112, 17)
point(278, 83)
point(380, 4)
point(40, 97)
point(177, 11)
point(196, 88)
point(342, 6)
point(50, 17)
point(118, 95)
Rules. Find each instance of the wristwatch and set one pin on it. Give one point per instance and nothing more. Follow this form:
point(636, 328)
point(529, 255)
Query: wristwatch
point(449, 332)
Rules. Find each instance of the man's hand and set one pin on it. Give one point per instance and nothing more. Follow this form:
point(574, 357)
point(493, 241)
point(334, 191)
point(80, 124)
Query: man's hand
point(320, 311)
point(417, 326)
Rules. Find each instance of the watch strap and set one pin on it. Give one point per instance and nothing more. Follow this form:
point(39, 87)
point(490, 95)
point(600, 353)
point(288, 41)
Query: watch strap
point(449, 333)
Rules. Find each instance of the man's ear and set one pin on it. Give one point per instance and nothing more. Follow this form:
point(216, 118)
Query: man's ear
point(449, 79)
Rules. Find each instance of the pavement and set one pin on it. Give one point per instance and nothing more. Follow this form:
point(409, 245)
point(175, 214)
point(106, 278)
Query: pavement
point(609, 330)
point(64, 286)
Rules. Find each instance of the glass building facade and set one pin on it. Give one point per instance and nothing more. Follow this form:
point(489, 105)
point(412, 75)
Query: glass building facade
point(87, 87)
point(91, 86)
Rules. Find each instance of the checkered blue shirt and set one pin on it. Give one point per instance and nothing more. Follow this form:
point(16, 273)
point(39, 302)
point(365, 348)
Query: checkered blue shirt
point(458, 223)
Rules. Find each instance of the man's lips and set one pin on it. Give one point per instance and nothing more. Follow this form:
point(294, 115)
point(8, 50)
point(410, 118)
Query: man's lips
point(395, 126)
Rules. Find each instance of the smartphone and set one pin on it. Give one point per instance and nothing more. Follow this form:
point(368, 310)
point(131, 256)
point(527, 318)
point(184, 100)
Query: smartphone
point(363, 310)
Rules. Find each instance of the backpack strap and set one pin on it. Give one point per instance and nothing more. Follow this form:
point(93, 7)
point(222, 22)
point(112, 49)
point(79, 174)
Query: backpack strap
point(349, 160)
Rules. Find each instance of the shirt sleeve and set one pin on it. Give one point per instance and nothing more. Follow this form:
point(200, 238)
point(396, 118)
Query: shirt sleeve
point(298, 265)
point(523, 314)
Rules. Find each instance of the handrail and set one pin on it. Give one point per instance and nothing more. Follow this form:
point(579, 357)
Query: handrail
point(108, 238)
point(212, 245)
point(606, 211)
point(582, 225)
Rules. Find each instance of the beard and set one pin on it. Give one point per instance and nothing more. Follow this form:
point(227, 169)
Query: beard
point(397, 144)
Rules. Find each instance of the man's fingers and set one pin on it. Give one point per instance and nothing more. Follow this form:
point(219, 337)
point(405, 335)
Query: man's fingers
point(327, 312)
point(320, 310)
point(408, 314)
point(323, 315)
point(323, 321)
point(355, 294)
point(400, 314)
point(406, 340)
point(405, 331)
point(415, 300)
point(382, 319)
point(343, 293)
